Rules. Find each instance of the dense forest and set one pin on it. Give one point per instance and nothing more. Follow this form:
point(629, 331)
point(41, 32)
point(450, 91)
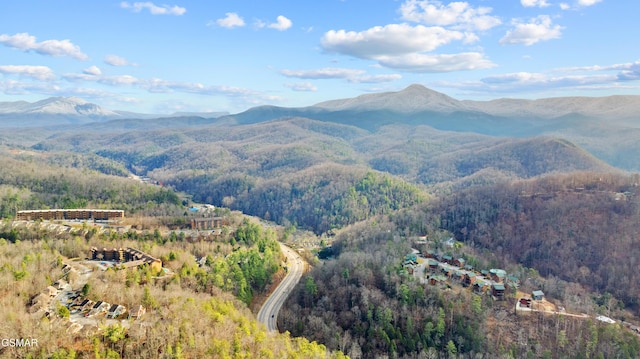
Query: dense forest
point(201, 311)
point(579, 227)
point(320, 198)
point(362, 303)
point(31, 182)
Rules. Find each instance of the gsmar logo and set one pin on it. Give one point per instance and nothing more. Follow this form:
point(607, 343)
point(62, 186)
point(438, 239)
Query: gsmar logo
point(19, 342)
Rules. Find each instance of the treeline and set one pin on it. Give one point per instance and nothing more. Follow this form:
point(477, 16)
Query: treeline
point(579, 227)
point(320, 198)
point(37, 185)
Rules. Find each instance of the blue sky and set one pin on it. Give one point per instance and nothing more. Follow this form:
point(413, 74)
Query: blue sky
point(163, 57)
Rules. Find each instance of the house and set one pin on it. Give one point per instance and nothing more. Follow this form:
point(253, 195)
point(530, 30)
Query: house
point(497, 275)
point(411, 258)
point(437, 279)
point(480, 285)
point(497, 290)
point(116, 310)
point(79, 302)
point(137, 312)
point(432, 264)
point(457, 275)
point(430, 254)
point(86, 305)
point(537, 295)
point(459, 262)
point(99, 307)
point(469, 279)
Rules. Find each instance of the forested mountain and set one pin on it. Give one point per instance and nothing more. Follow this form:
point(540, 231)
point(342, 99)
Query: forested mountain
point(363, 303)
point(534, 186)
point(37, 181)
point(301, 171)
point(579, 227)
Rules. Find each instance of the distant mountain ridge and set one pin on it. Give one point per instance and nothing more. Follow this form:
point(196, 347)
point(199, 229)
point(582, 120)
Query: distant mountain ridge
point(57, 111)
point(418, 105)
point(414, 105)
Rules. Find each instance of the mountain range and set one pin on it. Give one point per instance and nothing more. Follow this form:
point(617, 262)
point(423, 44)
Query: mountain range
point(607, 127)
point(56, 111)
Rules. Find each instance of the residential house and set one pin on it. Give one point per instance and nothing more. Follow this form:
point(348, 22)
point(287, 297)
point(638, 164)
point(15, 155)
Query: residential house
point(497, 290)
point(459, 262)
point(116, 310)
point(481, 285)
point(99, 307)
point(497, 275)
point(469, 279)
point(432, 264)
point(537, 295)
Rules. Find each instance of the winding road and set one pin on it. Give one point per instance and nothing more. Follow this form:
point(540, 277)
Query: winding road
point(268, 314)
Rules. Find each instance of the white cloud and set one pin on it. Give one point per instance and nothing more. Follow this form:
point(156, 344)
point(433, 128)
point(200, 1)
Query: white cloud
point(119, 80)
point(301, 86)
point(281, 24)
point(588, 2)
point(578, 4)
point(375, 79)
point(324, 73)
point(534, 3)
point(537, 29)
point(351, 75)
point(437, 62)
point(115, 60)
point(25, 42)
point(153, 8)
point(92, 70)
point(405, 47)
point(393, 39)
point(231, 20)
point(597, 77)
point(22, 88)
point(42, 73)
point(458, 15)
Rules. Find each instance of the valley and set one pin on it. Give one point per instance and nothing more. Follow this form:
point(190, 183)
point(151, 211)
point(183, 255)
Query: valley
point(543, 189)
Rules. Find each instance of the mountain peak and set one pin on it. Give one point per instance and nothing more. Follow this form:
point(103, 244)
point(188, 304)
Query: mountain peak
point(414, 98)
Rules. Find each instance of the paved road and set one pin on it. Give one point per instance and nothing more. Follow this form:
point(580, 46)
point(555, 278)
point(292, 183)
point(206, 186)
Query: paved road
point(268, 314)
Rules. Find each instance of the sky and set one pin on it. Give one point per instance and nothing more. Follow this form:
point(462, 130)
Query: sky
point(222, 55)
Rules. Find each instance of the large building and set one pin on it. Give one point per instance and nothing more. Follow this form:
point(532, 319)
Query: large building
point(207, 223)
point(71, 214)
point(130, 257)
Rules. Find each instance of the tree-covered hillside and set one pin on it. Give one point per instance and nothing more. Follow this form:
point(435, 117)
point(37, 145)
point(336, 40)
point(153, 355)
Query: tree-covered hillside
point(579, 227)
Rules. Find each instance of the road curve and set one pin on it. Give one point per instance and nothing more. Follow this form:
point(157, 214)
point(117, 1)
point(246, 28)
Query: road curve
point(268, 314)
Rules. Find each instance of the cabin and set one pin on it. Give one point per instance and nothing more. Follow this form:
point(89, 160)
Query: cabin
point(497, 290)
point(497, 275)
point(115, 311)
point(537, 295)
point(469, 279)
point(432, 264)
point(459, 262)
